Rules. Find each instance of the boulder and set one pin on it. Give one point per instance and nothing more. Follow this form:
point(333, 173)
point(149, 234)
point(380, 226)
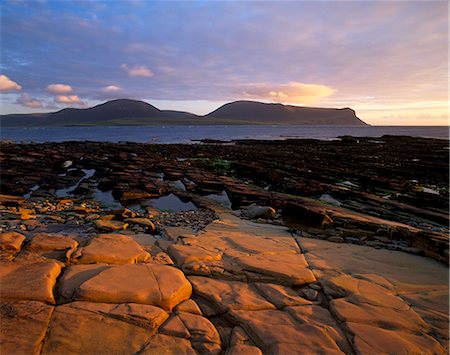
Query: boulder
point(159, 285)
point(255, 212)
point(11, 241)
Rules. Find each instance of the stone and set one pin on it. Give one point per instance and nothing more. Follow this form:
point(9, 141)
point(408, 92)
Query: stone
point(11, 241)
point(289, 269)
point(229, 295)
point(143, 315)
point(124, 213)
point(310, 294)
point(29, 281)
point(48, 242)
point(145, 222)
point(26, 213)
point(161, 258)
point(110, 225)
point(336, 239)
point(161, 344)
point(188, 306)
point(23, 326)
point(255, 212)
point(175, 327)
point(159, 285)
point(280, 296)
point(113, 249)
point(200, 328)
point(100, 328)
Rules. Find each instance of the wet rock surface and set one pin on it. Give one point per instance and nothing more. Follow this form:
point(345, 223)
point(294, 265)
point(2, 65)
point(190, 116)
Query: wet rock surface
point(260, 247)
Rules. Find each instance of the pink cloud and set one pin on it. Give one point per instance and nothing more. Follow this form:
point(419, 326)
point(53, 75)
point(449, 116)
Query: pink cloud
point(28, 101)
point(69, 100)
point(6, 84)
point(137, 70)
point(111, 89)
point(59, 89)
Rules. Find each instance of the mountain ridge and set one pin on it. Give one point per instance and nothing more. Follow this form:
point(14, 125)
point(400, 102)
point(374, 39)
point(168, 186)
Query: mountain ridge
point(136, 112)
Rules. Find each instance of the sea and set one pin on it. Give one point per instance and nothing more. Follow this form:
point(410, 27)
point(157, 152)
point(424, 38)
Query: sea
point(194, 134)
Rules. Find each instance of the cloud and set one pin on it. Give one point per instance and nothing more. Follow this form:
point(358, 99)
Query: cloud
point(137, 70)
point(69, 100)
point(28, 101)
point(110, 89)
point(6, 84)
point(59, 89)
point(291, 92)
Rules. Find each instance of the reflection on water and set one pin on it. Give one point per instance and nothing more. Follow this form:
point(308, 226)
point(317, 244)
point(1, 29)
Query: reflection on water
point(222, 199)
point(106, 199)
point(179, 185)
point(88, 173)
point(173, 204)
point(32, 189)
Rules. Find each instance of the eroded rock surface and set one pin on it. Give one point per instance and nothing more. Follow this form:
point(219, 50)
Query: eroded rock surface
point(216, 281)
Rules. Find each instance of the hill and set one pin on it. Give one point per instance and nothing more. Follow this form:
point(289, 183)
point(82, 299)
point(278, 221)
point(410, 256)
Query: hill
point(285, 114)
point(123, 112)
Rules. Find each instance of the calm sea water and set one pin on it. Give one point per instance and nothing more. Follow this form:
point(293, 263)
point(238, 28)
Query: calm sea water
point(189, 134)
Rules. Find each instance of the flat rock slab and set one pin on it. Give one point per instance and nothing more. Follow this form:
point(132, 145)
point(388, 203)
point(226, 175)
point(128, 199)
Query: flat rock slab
point(23, 326)
point(374, 340)
point(74, 276)
point(229, 295)
point(113, 249)
point(11, 241)
point(289, 269)
point(160, 285)
point(29, 281)
point(276, 332)
point(378, 303)
point(280, 296)
point(99, 328)
point(184, 254)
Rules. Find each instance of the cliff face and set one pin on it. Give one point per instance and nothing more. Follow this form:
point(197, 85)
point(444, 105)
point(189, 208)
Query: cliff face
point(133, 112)
point(259, 112)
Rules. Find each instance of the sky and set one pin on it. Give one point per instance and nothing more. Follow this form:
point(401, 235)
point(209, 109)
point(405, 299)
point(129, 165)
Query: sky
point(388, 60)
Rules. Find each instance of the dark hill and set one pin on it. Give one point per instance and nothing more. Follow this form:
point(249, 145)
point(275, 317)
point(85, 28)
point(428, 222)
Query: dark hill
point(123, 112)
point(258, 112)
point(115, 112)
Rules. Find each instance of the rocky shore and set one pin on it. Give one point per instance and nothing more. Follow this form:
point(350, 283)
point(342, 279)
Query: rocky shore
point(244, 247)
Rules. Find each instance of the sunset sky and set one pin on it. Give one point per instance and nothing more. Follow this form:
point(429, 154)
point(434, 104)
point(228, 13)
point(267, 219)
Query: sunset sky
point(388, 60)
